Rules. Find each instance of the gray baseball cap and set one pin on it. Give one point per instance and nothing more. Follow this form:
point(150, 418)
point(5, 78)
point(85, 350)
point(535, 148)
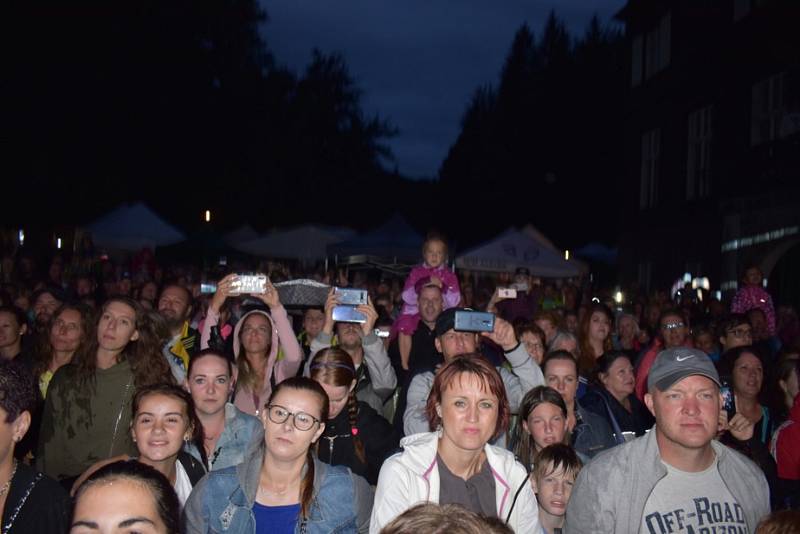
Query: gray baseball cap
point(673, 365)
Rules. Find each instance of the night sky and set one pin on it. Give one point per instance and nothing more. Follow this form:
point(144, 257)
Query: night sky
point(418, 62)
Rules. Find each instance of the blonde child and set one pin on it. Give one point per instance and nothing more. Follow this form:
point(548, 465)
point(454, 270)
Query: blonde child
point(433, 271)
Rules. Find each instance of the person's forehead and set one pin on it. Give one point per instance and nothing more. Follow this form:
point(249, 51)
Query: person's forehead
point(453, 333)
point(668, 319)
point(210, 365)
point(46, 297)
point(69, 316)
point(255, 319)
point(175, 292)
point(430, 292)
point(561, 367)
point(298, 400)
point(120, 309)
point(693, 382)
point(313, 313)
point(468, 384)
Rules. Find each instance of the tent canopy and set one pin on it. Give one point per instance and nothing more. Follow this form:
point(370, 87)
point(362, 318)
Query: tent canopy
point(518, 248)
point(307, 242)
point(241, 235)
point(132, 227)
point(394, 239)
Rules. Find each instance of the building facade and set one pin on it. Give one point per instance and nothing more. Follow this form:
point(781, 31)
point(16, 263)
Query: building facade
point(711, 140)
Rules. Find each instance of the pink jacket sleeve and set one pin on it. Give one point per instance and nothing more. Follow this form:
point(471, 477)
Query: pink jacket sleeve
point(292, 353)
point(212, 318)
point(409, 292)
point(452, 293)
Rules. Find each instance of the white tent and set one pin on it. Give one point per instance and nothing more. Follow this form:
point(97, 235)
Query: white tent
point(132, 227)
point(307, 242)
point(241, 235)
point(519, 248)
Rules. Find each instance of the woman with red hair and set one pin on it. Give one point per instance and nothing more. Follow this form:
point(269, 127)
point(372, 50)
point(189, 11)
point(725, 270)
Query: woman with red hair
point(467, 408)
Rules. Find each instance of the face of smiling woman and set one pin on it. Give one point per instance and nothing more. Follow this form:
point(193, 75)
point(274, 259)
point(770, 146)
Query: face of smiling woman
point(160, 427)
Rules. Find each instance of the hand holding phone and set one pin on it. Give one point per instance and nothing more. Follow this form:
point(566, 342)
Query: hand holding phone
point(506, 293)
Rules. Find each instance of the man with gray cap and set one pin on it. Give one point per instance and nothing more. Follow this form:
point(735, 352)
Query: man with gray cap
point(677, 478)
point(450, 342)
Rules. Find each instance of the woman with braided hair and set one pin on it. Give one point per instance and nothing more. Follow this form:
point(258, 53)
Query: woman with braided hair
point(355, 435)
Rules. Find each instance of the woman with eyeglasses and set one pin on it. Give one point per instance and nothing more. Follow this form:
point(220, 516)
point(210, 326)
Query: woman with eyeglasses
point(281, 487)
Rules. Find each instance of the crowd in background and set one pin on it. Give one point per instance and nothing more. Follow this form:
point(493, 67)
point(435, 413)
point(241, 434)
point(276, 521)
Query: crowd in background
point(242, 411)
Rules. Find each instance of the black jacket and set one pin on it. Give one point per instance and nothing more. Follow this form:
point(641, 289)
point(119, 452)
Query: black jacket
point(379, 439)
point(194, 468)
point(36, 504)
point(600, 401)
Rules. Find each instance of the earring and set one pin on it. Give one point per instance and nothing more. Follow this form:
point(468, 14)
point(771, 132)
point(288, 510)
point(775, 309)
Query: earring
point(439, 430)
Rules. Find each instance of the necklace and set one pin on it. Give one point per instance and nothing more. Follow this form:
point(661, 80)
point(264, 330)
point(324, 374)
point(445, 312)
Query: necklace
point(4, 489)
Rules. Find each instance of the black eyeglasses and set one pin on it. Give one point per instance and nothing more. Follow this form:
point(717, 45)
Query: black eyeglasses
point(302, 421)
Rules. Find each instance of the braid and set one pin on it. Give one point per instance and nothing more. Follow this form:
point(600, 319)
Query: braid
point(358, 445)
point(307, 486)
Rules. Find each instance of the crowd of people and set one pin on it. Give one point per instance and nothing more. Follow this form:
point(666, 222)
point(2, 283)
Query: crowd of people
point(132, 401)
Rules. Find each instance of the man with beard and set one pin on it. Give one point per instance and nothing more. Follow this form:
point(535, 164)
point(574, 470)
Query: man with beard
point(175, 306)
point(375, 376)
point(45, 303)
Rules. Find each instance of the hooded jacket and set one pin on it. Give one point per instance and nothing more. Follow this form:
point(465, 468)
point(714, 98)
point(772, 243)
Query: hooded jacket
point(411, 477)
point(611, 491)
point(283, 339)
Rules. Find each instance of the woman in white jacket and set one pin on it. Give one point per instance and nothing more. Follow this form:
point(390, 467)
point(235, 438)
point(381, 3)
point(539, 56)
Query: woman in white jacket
point(455, 464)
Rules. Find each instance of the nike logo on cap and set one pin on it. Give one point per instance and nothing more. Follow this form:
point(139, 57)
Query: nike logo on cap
point(678, 358)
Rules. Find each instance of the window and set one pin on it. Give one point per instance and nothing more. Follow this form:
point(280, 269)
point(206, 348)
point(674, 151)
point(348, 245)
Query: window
point(636, 60)
point(657, 47)
point(648, 194)
point(768, 109)
point(698, 164)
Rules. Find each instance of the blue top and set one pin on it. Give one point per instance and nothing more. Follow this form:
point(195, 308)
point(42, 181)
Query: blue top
point(276, 519)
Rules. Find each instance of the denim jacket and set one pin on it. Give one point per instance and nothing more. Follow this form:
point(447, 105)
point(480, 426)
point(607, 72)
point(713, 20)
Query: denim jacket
point(591, 434)
point(223, 501)
point(240, 429)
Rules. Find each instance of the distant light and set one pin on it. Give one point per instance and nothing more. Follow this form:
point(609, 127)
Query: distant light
point(718, 295)
point(208, 215)
point(596, 300)
point(757, 239)
point(700, 295)
point(702, 283)
point(687, 277)
point(21, 237)
point(58, 243)
point(618, 297)
point(764, 282)
point(566, 255)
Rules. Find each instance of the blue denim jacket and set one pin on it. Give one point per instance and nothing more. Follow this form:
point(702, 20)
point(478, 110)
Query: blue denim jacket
point(222, 502)
point(240, 429)
point(592, 434)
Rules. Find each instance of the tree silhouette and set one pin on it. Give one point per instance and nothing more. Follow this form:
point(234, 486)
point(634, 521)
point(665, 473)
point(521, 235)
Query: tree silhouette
point(542, 148)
